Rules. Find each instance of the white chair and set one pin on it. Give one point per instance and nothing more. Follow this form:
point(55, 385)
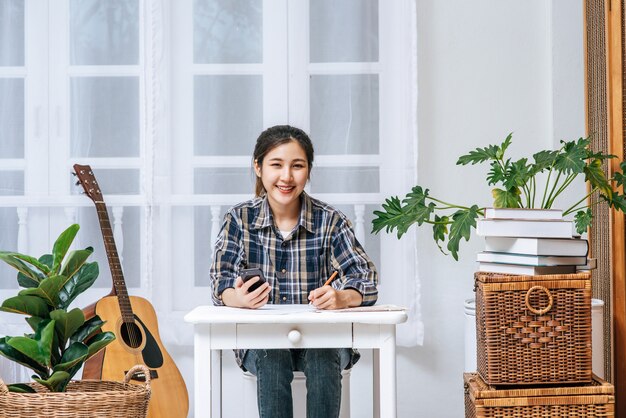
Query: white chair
point(298, 390)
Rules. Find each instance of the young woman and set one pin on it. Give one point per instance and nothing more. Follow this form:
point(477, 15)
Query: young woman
point(297, 242)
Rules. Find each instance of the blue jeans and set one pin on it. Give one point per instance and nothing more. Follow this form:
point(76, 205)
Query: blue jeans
point(274, 371)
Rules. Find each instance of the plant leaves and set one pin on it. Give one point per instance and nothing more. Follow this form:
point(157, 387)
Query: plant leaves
point(62, 245)
point(518, 174)
point(572, 157)
point(48, 290)
point(496, 174)
point(34, 322)
point(67, 323)
point(21, 388)
point(506, 198)
point(74, 261)
point(99, 341)
point(462, 223)
point(57, 382)
point(479, 155)
point(75, 354)
point(25, 281)
point(47, 260)
point(33, 262)
point(582, 220)
point(25, 305)
point(503, 147)
point(78, 283)
point(12, 354)
point(543, 160)
point(594, 174)
point(392, 218)
point(87, 330)
point(38, 348)
point(19, 265)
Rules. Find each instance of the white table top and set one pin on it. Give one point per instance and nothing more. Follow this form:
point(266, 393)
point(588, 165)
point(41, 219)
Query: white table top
point(302, 314)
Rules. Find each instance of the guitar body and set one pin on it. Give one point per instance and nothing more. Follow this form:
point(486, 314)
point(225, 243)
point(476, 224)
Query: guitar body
point(139, 343)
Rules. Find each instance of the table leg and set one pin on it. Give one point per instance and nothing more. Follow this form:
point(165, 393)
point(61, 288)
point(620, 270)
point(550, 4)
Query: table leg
point(202, 372)
point(387, 371)
point(376, 382)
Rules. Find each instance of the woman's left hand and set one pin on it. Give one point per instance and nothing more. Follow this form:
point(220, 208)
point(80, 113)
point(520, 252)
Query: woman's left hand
point(327, 297)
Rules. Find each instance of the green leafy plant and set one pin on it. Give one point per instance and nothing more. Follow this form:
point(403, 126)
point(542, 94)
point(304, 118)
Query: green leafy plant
point(62, 340)
point(517, 187)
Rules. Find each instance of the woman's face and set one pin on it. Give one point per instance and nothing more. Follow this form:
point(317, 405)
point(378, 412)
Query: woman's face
point(284, 173)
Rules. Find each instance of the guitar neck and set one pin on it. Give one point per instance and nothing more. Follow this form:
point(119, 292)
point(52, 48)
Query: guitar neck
point(119, 285)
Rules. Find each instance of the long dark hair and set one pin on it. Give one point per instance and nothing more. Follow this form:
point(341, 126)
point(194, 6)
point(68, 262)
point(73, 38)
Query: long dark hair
point(273, 137)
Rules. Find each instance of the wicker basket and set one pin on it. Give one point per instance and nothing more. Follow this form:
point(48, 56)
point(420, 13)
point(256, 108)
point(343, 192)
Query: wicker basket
point(83, 399)
point(595, 399)
point(533, 329)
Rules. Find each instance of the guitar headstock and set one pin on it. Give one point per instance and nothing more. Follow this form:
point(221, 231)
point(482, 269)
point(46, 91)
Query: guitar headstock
point(87, 179)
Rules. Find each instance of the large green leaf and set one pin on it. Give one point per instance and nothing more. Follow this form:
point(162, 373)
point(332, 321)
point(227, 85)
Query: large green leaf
point(594, 174)
point(25, 281)
point(518, 174)
point(67, 323)
point(462, 223)
point(74, 261)
point(34, 321)
point(57, 382)
point(506, 198)
point(544, 160)
point(62, 245)
point(88, 329)
point(26, 305)
point(583, 220)
point(572, 157)
point(21, 388)
point(47, 259)
point(19, 265)
point(34, 262)
point(74, 355)
point(39, 348)
point(78, 283)
point(479, 155)
point(48, 290)
point(12, 354)
point(99, 341)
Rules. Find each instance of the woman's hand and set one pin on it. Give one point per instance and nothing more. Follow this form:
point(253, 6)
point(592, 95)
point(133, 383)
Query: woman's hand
point(241, 297)
point(327, 297)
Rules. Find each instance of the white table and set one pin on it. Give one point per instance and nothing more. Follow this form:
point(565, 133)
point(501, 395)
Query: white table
point(293, 326)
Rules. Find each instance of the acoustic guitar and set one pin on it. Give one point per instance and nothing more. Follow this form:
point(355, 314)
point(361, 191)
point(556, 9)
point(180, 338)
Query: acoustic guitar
point(133, 321)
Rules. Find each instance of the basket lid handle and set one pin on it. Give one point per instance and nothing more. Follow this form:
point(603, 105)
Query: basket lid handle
point(539, 311)
point(139, 368)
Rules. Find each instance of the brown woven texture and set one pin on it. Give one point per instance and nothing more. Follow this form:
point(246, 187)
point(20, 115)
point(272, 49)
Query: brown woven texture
point(83, 399)
point(597, 130)
point(520, 344)
point(595, 399)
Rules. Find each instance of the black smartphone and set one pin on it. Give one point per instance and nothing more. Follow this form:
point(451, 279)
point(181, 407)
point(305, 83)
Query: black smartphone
point(247, 274)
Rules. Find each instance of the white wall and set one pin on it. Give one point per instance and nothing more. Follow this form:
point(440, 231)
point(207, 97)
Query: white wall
point(486, 68)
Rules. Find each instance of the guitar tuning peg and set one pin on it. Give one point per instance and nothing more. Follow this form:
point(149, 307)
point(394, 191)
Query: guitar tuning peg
point(77, 182)
point(74, 174)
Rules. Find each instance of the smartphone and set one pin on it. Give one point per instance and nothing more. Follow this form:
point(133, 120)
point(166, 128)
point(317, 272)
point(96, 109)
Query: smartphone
point(247, 274)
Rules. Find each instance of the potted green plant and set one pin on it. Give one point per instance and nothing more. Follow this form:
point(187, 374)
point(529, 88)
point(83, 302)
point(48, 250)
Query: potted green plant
point(62, 339)
point(519, 185)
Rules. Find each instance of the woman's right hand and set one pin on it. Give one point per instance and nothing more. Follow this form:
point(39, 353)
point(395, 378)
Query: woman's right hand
point(241, 297)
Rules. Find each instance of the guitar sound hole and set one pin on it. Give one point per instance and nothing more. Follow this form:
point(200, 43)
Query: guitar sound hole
point(131, 334)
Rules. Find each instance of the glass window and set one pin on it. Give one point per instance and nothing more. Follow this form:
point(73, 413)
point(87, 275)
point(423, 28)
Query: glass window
point(104, 32)
point(11, 183)
point(11, 33)
point(227, 31)
point(228, 113)
point(344, 114)
point(353, 180)
point(343, 31)
point(11, 117)
point(104, 116)
point(224, 180)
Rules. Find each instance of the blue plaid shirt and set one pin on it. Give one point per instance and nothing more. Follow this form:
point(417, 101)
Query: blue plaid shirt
point(321, 241)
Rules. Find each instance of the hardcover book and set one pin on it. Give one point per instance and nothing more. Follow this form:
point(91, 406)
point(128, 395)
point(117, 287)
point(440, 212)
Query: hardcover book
point(538, 246)
point(524, 270)
point(519, 213)
point(525, 228)
point(531, 260)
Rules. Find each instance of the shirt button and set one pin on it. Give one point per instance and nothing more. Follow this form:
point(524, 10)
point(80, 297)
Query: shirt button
point(283, 271)
point(284, 298)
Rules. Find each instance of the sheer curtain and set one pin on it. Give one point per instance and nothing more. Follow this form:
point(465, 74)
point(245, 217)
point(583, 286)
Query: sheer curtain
point(164, 99)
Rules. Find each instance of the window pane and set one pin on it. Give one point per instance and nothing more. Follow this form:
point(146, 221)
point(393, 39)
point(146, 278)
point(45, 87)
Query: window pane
point(90, 236)
point(345, 180)
point(11, 33)
point(344, 114)
point(11, 117)
point(104, 117)
point(224, 181)
point(228, 114)
point(104, 32)
point(227, 31)
point(372, 241)
point(113, 181)
point(11, 183)
point(8, 242)
point(344, 31)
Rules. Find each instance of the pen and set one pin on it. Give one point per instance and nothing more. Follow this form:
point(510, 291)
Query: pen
point(331, 278)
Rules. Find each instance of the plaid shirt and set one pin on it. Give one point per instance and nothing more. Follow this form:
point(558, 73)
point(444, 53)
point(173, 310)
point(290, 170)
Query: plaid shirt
point(321, 241)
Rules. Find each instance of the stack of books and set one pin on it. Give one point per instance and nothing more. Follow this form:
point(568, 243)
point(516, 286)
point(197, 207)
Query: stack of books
point(530, 242)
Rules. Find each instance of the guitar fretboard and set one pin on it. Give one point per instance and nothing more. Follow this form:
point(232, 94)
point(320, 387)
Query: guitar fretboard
point(119, 285)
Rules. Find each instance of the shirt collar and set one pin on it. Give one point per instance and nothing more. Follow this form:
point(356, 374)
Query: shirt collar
point(265, 219)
